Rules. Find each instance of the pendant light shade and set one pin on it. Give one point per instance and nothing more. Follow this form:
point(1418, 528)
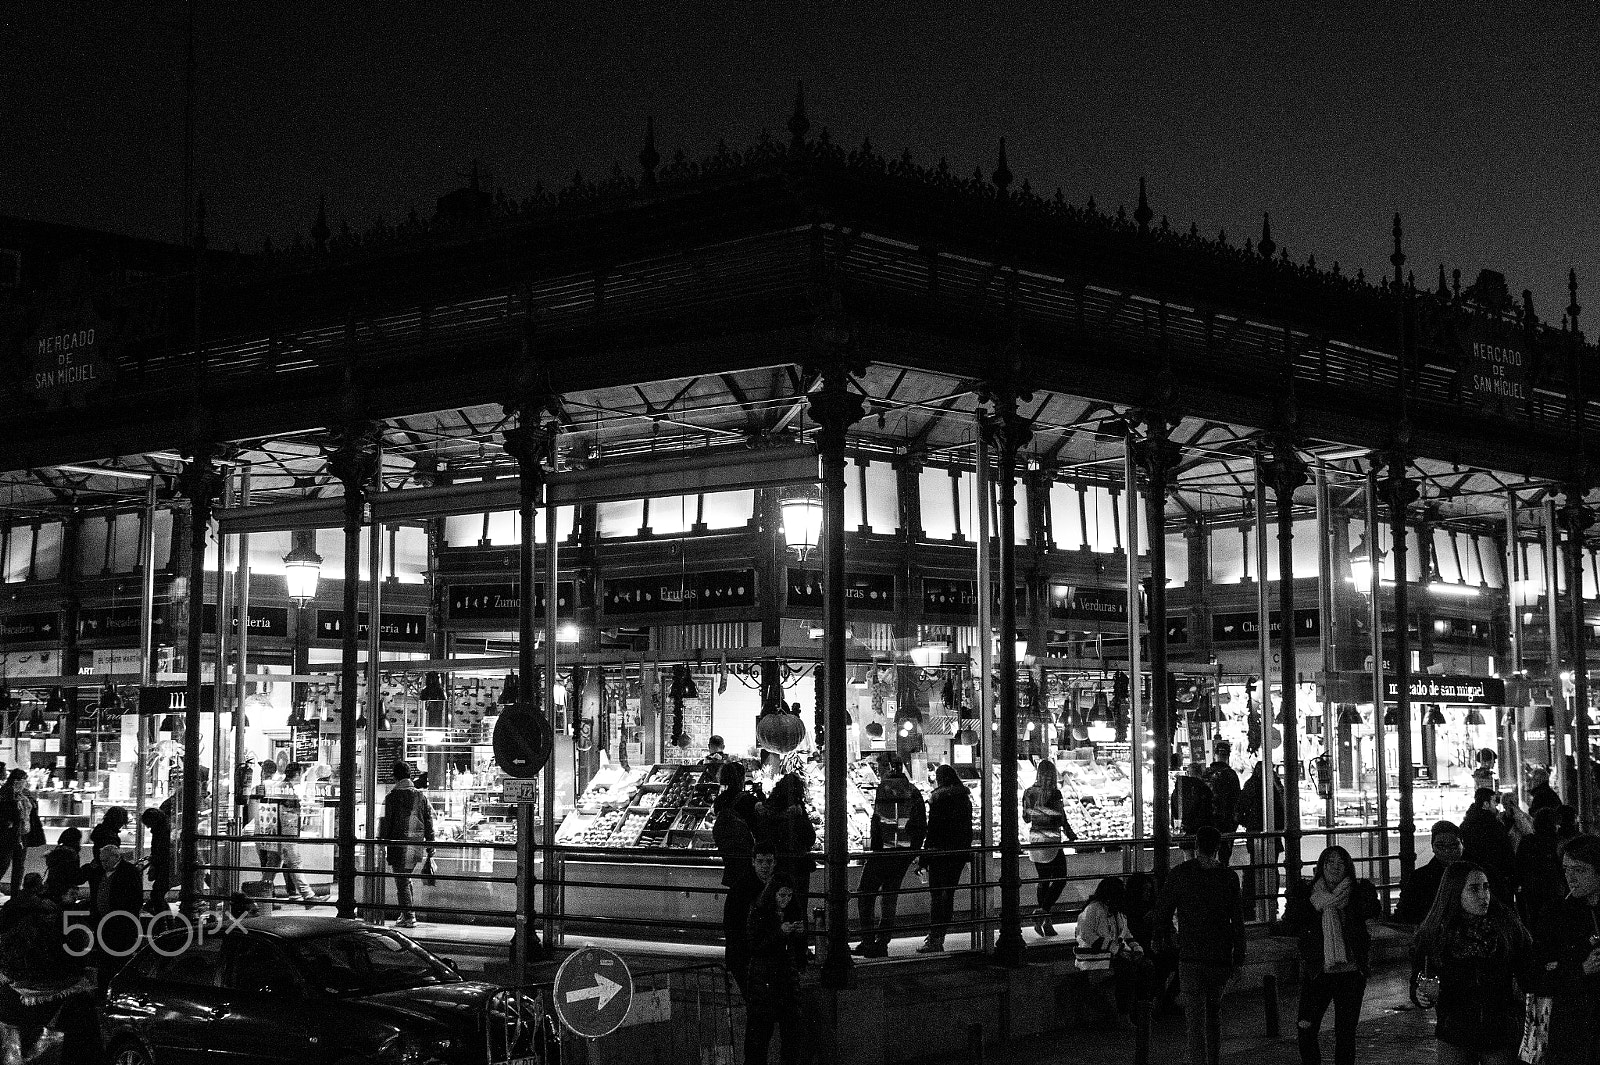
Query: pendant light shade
point(108, 703)
point(508, 693)
point(433, 688)
point(1475, 716)
point(1080, 732)
point(801, 516)
point(1435, 715)
point(169, 725)
point(967, 737)
point(1100, 709)
point(36, 722)
point(1391, 715)
point(1349, 715)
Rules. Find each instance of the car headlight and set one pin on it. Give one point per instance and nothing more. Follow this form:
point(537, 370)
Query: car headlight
point(408, 1049)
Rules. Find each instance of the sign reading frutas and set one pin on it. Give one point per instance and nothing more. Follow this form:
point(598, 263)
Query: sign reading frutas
point(69, 360)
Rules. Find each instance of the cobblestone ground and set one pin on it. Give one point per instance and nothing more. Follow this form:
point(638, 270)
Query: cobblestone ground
point(1391, 1031)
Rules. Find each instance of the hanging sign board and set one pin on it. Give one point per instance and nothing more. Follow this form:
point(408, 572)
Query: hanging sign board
point(519, 790)
point(1466, 691)
point(173, 699)
point(31, 628)
point(1247, 626)
point(862, 591)
point(1096, 608)
point(500, 602)
point(523, 741)
point(303, 741)
point(269, 621)
point(674, 592)
point(947, 597)
point(395, 628)
point(1495, 369)
point(1177, 628)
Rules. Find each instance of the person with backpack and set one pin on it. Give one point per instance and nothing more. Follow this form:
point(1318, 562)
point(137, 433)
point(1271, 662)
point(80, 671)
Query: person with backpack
point(407, 822)
point(949, 844)
point(1223, 781)
point(1203, 894)
point(899, 826)
point(734, 812)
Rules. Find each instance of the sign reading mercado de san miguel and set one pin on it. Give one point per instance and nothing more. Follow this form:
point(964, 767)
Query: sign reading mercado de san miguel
point(1495, 372)
point(69, 361)
point(1431, 688)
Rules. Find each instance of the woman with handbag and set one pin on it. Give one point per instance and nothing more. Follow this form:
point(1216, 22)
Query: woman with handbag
point(1477, 948)
point(1046, 814)
point(772, 989)
point(1330, 913)
point(949, 848)
point(1107, 949)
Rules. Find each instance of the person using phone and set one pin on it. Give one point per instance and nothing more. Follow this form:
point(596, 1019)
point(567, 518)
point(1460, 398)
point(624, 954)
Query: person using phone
point(1569, 950)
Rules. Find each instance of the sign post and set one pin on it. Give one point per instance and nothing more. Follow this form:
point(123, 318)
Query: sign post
point(593, 992)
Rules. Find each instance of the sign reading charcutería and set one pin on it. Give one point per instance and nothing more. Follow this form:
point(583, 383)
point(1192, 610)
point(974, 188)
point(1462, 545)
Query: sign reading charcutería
point(1475, 691)
point(1247, 626)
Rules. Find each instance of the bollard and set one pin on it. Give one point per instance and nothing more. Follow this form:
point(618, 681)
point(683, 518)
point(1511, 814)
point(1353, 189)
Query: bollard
point(974, 1044)
point(1269, 1000)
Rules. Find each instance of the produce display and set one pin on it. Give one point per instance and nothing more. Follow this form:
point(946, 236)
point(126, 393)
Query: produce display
point(651, 806)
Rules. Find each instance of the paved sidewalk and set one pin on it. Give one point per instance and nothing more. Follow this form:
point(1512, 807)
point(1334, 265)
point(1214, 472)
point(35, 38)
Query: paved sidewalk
point(1391, 1031)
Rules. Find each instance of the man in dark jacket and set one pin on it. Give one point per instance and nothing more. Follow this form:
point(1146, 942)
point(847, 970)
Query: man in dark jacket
point(899, 826)
point(731, 831)
point(1540, 793)
point(1204, 896)
point(1252, 819)
point(116, 897)
point(1418, 890)
point(1225, 788)
point(1192, 804)
point(1484, 840)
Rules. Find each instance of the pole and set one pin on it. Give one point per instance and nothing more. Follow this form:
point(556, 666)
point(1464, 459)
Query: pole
point(147, 649)
point(354, 463)
point(834, 407)
point(1401, 493)
point(1269, 808)
point(1380, 735)
point(552, 883)
point(241, 687)
point(1332, 727)
point(1130, 479)
point(1156, 455)
point(1578, 519)
point(200, 484)
point(374, 706)
point(983, 933)
point(1558, 695)
point(223, 696)
point(1511, 716)
point(1290, 472)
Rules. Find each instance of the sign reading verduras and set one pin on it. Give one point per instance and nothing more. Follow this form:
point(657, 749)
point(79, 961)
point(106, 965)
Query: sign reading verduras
point(1476, 691)
point(69, 362)
point(862, 591)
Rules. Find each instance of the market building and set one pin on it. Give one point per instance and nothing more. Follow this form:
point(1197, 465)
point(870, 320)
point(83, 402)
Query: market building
point(824, 453)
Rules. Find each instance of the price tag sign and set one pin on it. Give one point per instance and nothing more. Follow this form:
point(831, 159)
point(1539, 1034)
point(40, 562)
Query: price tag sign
point(514, 790)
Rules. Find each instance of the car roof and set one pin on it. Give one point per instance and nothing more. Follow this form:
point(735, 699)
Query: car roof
point(301, 926)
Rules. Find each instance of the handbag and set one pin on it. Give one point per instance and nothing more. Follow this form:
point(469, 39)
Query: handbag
point(1043, 855)
point(1535, 1030)
point(429, 870)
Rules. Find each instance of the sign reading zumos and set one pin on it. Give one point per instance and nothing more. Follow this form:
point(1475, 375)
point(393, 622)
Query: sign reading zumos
point(69, 360)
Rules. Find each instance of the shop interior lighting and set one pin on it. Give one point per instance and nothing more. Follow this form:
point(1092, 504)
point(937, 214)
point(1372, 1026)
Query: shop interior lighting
point(1475, 716)
point(1461, 591)
point(433, 737)
point(1435, 715)
point(302, 567)
point(927, 655)
point(567, 633)
point(108, 702)
point(801, 515)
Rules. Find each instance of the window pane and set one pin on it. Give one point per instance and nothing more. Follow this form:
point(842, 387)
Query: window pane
point(672, 515)
point(1065, 523)
point(938, 508)
point(1227, 555)
point(47, 567)
point(1494, 570)
point(620, 518)
point(91, 546)
point(1445, 557)
point(463, 530)
point(410, 562)
point(729, 510)
point(883, 498)
point(1177, 560)
point(125, 553)
point(18, 553)
point(267, 551)
point(852, 494)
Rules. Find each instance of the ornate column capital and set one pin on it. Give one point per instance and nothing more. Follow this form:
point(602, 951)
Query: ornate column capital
point(834, 406)
point(354, 462)
point(1281, 466)
point(529, 442)
point(200, 482)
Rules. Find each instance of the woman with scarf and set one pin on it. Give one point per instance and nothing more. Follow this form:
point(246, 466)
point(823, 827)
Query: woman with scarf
point(1330, 913)
point(1480, 952)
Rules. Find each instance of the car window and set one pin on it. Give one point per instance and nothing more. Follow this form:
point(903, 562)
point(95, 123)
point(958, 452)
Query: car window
point(192, 962)
point(255, 962)
point(365, 961)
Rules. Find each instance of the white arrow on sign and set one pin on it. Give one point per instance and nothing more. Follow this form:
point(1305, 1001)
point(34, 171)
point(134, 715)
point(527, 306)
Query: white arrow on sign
point(603, 990)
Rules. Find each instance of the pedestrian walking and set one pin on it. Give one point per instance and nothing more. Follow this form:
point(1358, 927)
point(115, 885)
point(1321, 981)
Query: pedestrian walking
point(116, 897)
point(784, 820)
point(1417, 891)
point(734, 811)
point(264, 825)
point(772, 991)
point(1478, 949)
point(1486, 843)
point(1252, 818)
point(1107, 949)
point(158, 860)
point(1046, 814)
point(1569, 951)
point(1540, 793)
point(1203, 894)
point(291, 798)
point(899, 830)
point(407, 825)
point(1192, 802)
point(1329, 914)
point(1539, 870)
point(19, 826)
point(1518, 823)
point(948, 849)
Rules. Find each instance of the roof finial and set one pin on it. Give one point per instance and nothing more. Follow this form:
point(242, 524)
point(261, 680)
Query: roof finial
point(799, 124)
point(1398, 259)
point(648, 157)
point(1572, 296)
point(1142, 213)
point(1444, 289)
point(1002, 173)
point(319, 227)
point(1266, 247)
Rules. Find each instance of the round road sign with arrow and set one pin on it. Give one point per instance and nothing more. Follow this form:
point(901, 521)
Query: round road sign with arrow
point(593, 992)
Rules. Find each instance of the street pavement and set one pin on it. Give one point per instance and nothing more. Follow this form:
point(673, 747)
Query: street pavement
point(1391, 1030)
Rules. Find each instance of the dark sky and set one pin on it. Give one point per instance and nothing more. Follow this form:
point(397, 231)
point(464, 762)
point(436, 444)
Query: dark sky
point(1476, 120)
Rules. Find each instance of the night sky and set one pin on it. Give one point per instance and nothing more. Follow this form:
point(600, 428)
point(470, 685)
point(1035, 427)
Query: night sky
point(1475, 120)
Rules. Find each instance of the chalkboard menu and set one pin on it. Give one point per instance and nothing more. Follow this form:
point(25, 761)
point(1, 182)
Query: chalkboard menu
point(391, 749)
point(303, 743)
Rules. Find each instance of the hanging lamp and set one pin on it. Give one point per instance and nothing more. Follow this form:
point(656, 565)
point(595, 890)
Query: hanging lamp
point(1435, 715)
point(1100, 709)
point(433, 688)
point(108, 703)
point(1391, 715)
point(1349, 715)
point(508, 692)
point(1475, 716)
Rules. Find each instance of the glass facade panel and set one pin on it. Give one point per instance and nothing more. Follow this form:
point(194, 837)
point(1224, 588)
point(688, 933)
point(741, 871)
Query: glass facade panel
point(1177, 547)
point(673, 515)
point(47, 556)
point(729, 510)
point(91, 546)
point(410, 561)
point(883, 498)
point(1227, 554)
point(125, 546)
point(1065, 521)
point(938, 503)
point(19, 549)
point(621, 518)
point(1444, 557)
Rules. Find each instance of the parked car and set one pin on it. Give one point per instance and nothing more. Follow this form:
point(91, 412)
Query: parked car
point(295, 988)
